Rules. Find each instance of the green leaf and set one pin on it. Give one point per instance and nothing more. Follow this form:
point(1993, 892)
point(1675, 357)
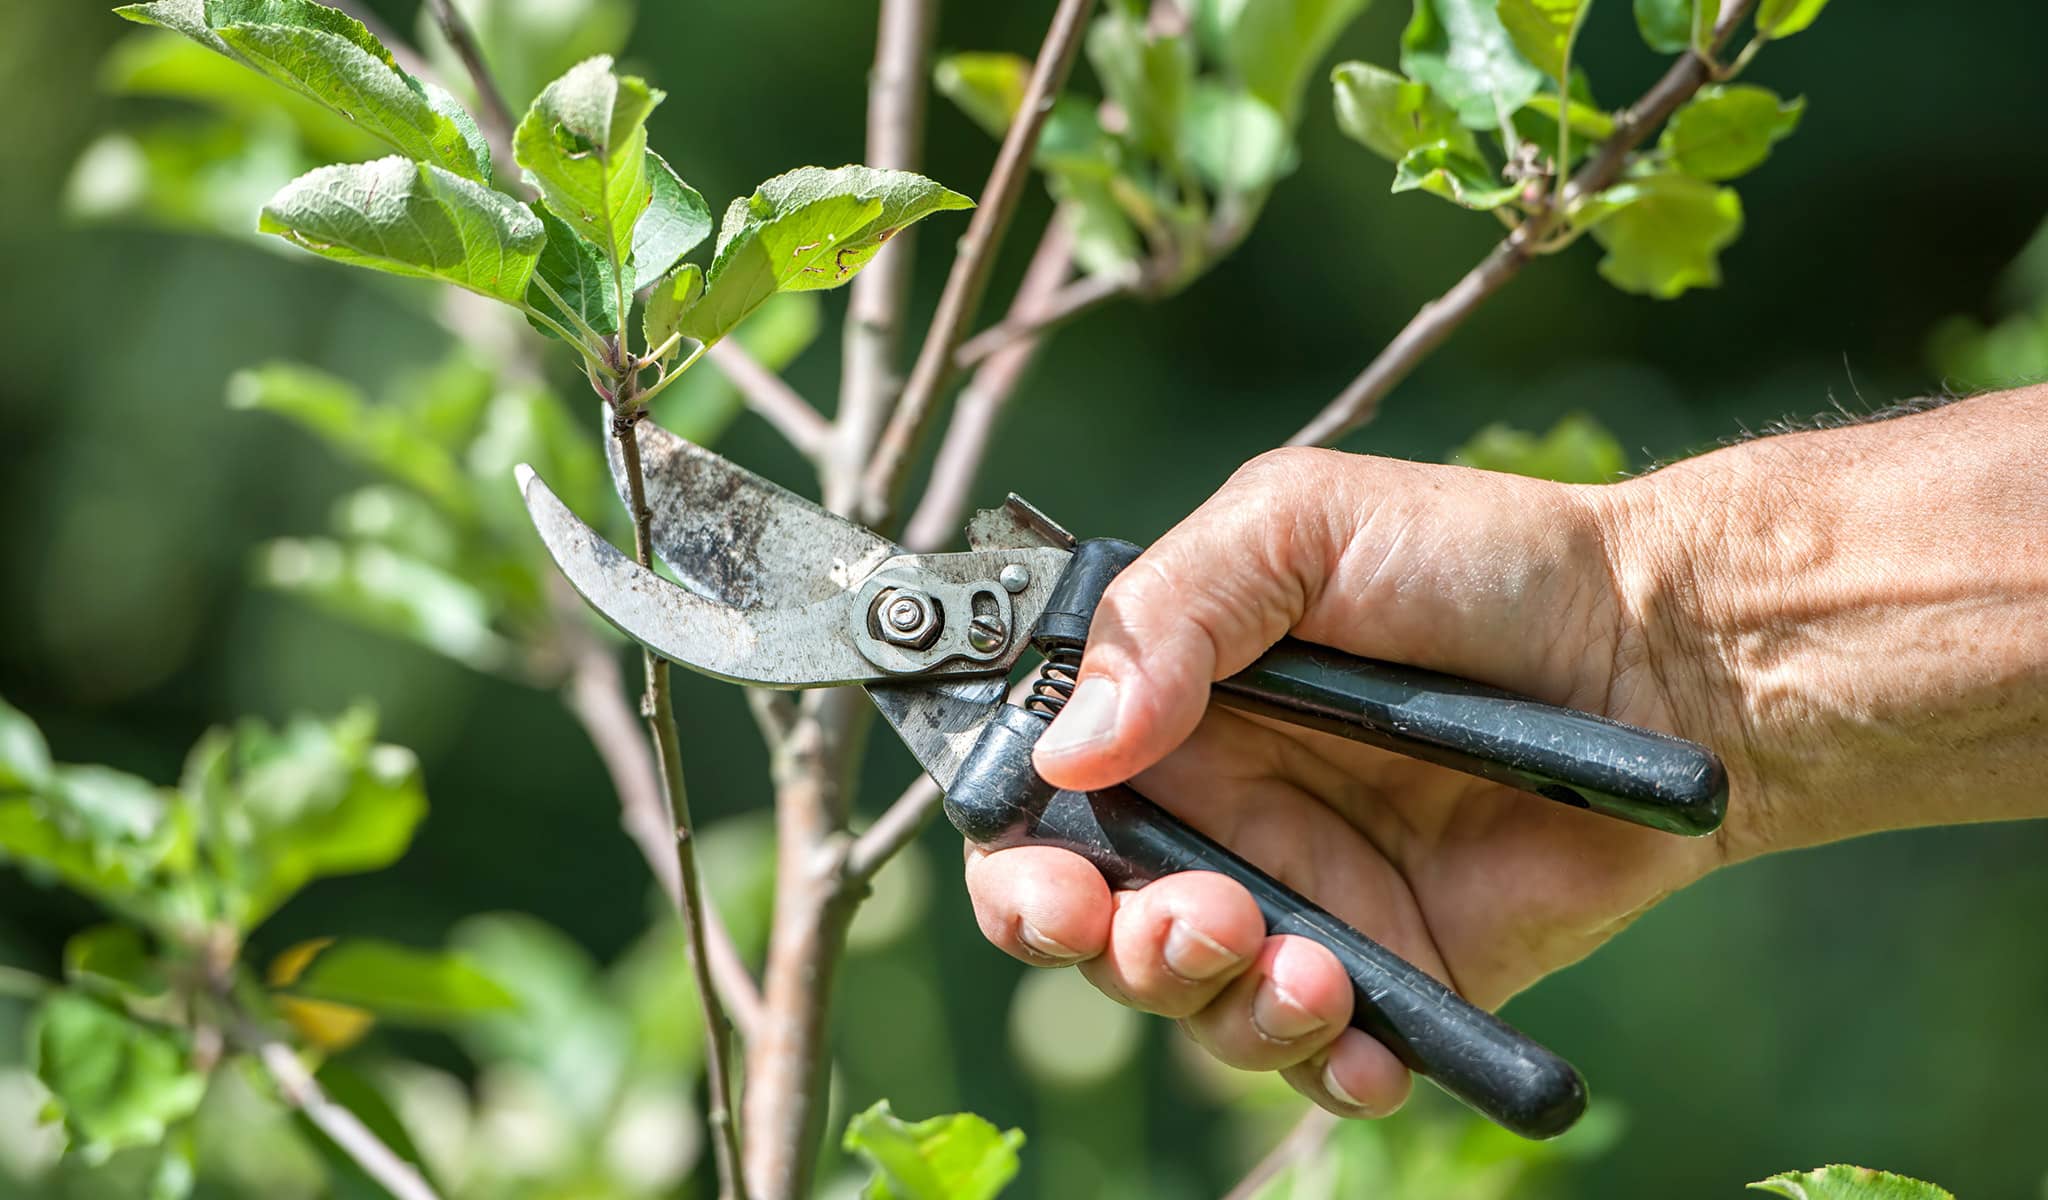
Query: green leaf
point(24, 756)
point(1726, 131)
point(667, 304)
point(287, 806)
point(383, 437)
point(400, 983)
point(675, 221)
point(1390, 115)
point(579, 274)
point(1233, 140)
point(1273, 46)
point(1146, 76)
point(109, 835)
point(1576, 450)
point(806, 230)
point(1848, 1183)
point(1783, 18)
point(411, 219)
point(1663, 233)
point(1457, 177)
point(584, 145)
point(168, 65)
point(1463, 52)
point(1588, 121)
point(329, 57)
point(114, 961)
point(954, 1157)
point(392, 591)
point(1670, 26)
point(117, 1083)
point(1544, 30)
point(988, 87)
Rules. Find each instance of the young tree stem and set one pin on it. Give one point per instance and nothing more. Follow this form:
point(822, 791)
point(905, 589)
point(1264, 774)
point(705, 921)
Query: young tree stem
point(497, 119)
point(1436, 320)
point(300, 1090)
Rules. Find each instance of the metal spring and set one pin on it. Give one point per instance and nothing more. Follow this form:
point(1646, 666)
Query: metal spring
point(1055, 683)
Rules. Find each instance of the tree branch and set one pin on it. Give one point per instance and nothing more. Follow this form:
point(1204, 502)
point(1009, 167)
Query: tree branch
point(596, 696)
point(1360, 399)
point(1074, 299)
point(936, 520)
point(968, 278)
point(497, 119)
point(300, 1090)
point(661, 723)
point(897, 827)
point(773, 399)
point(1307, 1137)
point(869, 374)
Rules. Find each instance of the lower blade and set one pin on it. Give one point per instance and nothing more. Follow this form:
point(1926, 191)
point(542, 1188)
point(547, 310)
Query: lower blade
point(940, 721)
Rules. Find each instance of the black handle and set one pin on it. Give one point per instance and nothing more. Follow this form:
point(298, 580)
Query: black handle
point(1576, 758)
point(998, 800)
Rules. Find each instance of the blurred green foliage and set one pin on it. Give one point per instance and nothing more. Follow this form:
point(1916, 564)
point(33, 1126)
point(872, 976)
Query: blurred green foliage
point(133, 504)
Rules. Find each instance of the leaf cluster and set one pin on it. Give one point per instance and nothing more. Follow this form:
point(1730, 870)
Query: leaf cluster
point(1490, 112)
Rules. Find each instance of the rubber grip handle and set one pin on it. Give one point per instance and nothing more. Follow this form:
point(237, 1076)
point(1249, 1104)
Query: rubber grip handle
point(1575, 758)
point(1470, 1053)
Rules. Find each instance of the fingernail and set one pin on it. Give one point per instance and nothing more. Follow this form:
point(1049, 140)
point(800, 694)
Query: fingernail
point(1038, 943)
point(1279, 1017)
point(1195, 956)
point(1336, 1089)
point(1089, 717)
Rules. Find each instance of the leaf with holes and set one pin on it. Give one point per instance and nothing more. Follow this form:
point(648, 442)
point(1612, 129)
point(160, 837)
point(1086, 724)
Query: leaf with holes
point(1728, 131)
point(1390, 115)
point(584, 145)
point(1663, 233)
point(1453, 175)
point(1848, 1183)
point(807, 230)
point(1463, 52)
point(411, 219)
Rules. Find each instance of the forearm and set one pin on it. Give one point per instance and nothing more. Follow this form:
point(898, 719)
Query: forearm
point(1857, 618)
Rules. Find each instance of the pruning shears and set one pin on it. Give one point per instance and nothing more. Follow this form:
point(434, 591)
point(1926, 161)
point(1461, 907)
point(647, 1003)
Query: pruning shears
point(777, 592)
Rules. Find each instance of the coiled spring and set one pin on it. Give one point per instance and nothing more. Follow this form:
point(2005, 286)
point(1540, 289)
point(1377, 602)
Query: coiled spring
point(1055, 683)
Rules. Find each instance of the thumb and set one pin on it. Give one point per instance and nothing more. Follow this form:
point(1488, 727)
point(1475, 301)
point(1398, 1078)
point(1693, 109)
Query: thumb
point(1200, 604)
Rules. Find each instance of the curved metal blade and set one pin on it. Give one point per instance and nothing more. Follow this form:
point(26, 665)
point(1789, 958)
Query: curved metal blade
point(733, 536)
point(940, 720)
point(774, 647)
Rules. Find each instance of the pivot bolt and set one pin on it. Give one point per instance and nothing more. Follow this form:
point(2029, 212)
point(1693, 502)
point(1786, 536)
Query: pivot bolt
point(986, 634)
point(1014, 578)
point(906, 617)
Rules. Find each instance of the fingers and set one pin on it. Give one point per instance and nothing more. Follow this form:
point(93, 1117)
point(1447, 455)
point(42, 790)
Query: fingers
point(1355, 1077)
point(1175, 944)
point(1203, 602)
point(1045, 906)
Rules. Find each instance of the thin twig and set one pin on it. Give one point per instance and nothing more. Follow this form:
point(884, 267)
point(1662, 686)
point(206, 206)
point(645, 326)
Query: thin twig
point(968, 278)
point(1360, 399)
point(661, 724)
point(936, 519)
point(596, 697)
point(774, 400)
point(897, 827)
point(1307, 1137)
point(300, 1090)
point(497, 119)
point(1076, 298)
point(870, 375)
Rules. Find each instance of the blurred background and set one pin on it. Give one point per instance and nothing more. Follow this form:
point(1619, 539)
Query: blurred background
point(1877, 1002)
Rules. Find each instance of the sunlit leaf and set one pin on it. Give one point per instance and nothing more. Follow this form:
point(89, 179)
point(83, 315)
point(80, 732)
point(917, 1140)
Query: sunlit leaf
point(1848, 1183)
point(411, 219)
point(955, 1157)
point(1463, 52)
point(1670, 26)
point(116, 1082)
point(1664, 233)
point(579, 274)
point(668, 303)
point(24, 756)
point(1146, 75)
point(584, 144)
point(1390, 115)
point(1459, 178)
point(399, 983)
point(674, 222)
point(1273, 46)
point(116, 838)
point(809, 229)
point(1576, 450)
point(1726, 131)
point(988, 87)
point(1538, 121)
point(1543, 30)
point(166, 65)
point(1234, 142)
point(1783, 18)
point(114, 961)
